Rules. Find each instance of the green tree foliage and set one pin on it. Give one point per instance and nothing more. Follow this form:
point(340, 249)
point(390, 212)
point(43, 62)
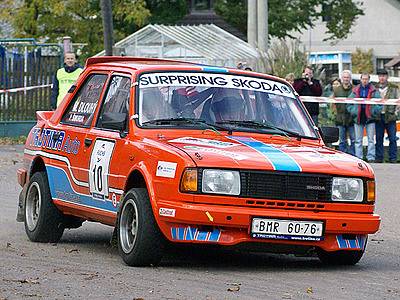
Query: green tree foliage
point(166, 12)
point(362, 61)
point(80, 19)
point(287, 16)
point(284, 58)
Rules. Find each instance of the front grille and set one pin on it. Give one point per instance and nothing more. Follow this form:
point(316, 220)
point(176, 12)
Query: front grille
point(285, 186)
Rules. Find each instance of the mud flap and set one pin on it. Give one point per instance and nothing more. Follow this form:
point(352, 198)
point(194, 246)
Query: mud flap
point(21, 204)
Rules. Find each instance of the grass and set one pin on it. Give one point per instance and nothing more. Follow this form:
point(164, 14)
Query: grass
point(13, 140)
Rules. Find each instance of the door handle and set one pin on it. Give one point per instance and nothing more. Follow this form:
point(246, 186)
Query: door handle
point(88, 142)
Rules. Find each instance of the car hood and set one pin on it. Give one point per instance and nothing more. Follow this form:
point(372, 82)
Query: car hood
point(269, 154)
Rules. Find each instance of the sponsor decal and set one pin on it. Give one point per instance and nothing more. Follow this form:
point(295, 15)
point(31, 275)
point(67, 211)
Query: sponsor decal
point(114, 200)
point(280, 160)
point(285, 237)
point(68, 196)
point(203, 142)
point(230, 154)
point(54, 140)
point(166, 169)
point(315, 156)
point(215, 80)
point(166, 212)
point(194, 234)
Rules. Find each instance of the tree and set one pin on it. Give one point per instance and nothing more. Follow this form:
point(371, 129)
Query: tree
point(48, 20)
point(362, 61)
point(287, 16)
point(284, 58)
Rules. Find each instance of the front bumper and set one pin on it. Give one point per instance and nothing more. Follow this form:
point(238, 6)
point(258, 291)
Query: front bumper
point(230, 225)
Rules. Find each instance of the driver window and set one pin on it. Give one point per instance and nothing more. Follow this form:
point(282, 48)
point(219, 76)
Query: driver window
point(116, 101)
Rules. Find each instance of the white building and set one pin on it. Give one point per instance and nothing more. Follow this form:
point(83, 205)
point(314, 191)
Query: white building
point(377, 29)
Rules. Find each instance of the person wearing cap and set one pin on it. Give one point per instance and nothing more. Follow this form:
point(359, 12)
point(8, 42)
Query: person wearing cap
point(387, 118)
point(364, 116)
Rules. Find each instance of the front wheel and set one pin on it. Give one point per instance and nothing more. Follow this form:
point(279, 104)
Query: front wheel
point(340, 257)
point(140, 242)
point(43, 221)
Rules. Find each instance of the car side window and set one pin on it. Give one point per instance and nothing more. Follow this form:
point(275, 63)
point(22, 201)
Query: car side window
point(81, 110)
point(116, 102)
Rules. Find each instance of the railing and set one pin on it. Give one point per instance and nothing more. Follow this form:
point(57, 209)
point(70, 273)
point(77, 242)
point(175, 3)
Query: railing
point(26, 73)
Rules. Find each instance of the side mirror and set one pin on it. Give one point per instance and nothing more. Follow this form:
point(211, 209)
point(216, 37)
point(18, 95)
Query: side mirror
point(115, 121)
point(329, 134)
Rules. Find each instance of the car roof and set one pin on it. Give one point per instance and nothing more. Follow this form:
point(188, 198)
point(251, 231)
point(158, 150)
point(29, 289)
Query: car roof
point(148, 64)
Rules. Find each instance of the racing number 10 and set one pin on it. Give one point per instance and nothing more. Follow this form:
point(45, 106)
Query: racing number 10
point(99, 168)
point(97, 177)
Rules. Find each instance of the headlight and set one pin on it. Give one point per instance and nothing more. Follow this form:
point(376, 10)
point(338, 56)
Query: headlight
point(347, 189)
point(221, 182)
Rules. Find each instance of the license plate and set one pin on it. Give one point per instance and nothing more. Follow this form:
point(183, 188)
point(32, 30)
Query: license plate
point(287, 229)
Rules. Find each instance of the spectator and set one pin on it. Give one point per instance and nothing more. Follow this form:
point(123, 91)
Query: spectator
point(387, 118)
point(290, 78)
point(343, 119)
point(364, 116)
point(328, 89)
point(308, 86)
point(64, 78)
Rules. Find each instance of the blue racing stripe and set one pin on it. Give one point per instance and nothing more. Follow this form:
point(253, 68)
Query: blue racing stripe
point(190, 233)
point(60, 188)
point(279, 159)
point(214, 236)
point(201, 236)
point(214, 69)
point(353, 243)
point(181, 233)
point(173, 233)
point(341, 242)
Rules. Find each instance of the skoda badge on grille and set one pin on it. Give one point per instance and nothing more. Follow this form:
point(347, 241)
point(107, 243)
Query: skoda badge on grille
point(315, 187)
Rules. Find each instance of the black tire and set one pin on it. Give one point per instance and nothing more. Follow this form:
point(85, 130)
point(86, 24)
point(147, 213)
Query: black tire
point(340, 258)
point(144, 246)
point(43, 221)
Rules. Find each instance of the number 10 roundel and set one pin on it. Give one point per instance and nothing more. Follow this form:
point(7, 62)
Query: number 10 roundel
point(99, 168)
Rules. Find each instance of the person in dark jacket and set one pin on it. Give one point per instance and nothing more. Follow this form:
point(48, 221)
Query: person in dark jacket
point(344, 120)
point(308, 86)
point(387, 118)
point(64, 78)
point(364, 116)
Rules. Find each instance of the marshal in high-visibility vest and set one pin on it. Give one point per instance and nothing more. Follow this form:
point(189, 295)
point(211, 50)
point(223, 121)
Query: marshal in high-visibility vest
point(64, 78)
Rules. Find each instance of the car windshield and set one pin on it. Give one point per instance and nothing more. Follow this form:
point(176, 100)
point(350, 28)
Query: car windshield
point(238, 103)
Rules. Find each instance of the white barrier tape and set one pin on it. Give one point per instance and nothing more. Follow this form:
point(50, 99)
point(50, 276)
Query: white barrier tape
point(27, 88)
point(350, 100)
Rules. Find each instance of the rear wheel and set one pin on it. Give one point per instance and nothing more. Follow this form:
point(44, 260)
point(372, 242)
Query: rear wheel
point(140, 242)
point(43, 221)
point(341, 257)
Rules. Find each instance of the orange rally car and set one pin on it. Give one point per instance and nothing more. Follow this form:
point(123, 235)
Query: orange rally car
point(173, 151)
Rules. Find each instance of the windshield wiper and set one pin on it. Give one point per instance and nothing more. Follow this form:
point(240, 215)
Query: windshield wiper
point(256, 124)
point(182, 120)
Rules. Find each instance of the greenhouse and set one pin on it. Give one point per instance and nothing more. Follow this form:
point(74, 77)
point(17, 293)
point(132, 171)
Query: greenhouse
point(205, 44)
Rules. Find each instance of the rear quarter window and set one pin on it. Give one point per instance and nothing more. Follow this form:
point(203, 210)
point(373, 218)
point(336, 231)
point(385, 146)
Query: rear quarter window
point(81, 110)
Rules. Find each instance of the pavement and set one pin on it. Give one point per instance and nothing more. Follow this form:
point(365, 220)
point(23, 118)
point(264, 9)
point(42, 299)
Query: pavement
point(83, 265)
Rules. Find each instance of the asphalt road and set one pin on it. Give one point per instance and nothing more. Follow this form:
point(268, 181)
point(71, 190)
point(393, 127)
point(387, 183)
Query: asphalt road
point(83, 264)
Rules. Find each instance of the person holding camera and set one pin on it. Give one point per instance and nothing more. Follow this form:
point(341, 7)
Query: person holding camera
point(308, 86)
